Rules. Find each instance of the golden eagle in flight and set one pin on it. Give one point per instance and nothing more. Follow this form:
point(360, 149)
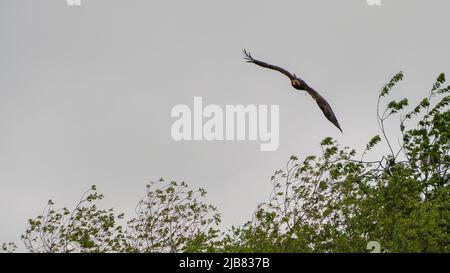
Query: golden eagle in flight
point(299, 84)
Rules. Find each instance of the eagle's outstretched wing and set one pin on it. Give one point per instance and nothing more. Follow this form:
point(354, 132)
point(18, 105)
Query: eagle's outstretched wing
point(248, 57)
point(328, 112)
point(324, 106)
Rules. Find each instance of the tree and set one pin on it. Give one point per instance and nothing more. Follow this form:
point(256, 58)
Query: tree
point(83, 229)
point(335, 202)
point(169, 218)
point(172, 218)
point(338, 203)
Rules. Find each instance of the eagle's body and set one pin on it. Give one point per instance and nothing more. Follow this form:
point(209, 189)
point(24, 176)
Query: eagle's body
point(299, 84)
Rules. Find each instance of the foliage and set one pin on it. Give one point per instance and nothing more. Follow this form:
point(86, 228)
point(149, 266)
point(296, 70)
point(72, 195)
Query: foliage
point(172, 218)
point(169, 218)
point(84, 229)
point(8, 247)
point(335, 202)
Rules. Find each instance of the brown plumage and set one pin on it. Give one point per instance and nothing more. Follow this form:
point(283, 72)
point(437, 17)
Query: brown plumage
point(299, 84)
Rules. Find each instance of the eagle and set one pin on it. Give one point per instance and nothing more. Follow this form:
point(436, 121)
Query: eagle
point(299, 84)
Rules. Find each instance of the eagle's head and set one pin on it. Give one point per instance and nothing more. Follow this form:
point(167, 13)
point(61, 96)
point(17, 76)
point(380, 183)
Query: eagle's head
point(297, 83)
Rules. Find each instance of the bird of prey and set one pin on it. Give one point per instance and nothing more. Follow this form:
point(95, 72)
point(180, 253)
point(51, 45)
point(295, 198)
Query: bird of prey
point(299, 84)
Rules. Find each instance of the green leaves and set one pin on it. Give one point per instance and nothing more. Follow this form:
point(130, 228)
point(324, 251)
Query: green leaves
point(374, 141)
point(336, 203)
point(388, 87)
point(83, 229)
point(395, 106)
point(327, 141)
point(440, 105)
point(8, 247)
point(439, 81)
point(171, 218)
point(332, 202)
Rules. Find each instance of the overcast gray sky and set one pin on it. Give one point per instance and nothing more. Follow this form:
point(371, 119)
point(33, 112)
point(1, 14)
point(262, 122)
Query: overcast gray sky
point(86, 92)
